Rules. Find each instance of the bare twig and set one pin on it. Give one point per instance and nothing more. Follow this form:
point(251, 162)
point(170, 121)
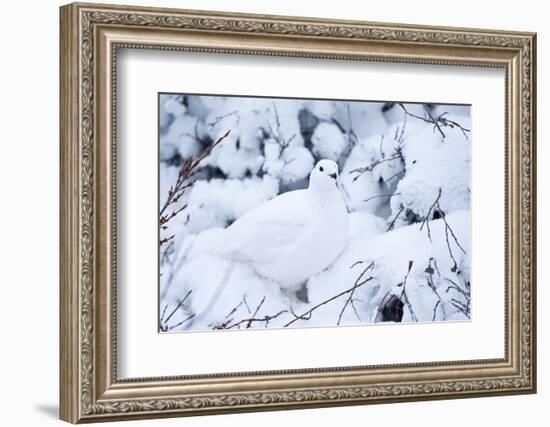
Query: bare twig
point(256, 311)
point(438, 302)
point(163, 312)
point(396, 155)
point(404, 296)
point(426, 220)
point(275, 134)
point(454, 285)
point(306, 316)
point(310, 311)
point(352, 303)
point(447, 226)
point(166, 253)
point(349, 300)
point(448, 229)
point(395, 218)
point(462, 307)
point(430, 271)
point(180, 303)
point(166, 239)
point(234, 309)
point(164, 323)
point(382, 195)
point(457, 302)
point(352, 136)
point(182, 322)
point(277, 120)
point(231, 324)
point(186, 179)
point(382, 154)
point(437, 122)
point(249, 321)
point(223, 116)
point(395, 175)
point(400, 138)
point(246, 305)
point(455, 265)
point(370, 167)
point(435, 265)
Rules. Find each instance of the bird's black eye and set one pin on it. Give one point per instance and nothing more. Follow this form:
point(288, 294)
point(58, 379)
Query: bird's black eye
point(321, 168)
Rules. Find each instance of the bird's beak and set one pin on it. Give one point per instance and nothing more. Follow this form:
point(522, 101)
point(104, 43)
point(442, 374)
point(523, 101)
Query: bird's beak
point(332, 175)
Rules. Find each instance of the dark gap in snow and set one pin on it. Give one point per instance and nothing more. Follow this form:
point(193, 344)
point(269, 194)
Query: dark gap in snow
point(308, 123)
point(175, 160)
point(412, 217)
point(388, 106)
point(294, 185)
point(205, 141)
point(213, 172)
point(392, 310)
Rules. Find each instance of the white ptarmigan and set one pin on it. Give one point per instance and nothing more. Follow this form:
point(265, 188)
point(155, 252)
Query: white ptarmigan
point(294, 235)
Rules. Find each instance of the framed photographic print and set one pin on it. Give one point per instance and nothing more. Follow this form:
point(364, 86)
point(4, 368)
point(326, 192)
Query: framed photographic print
point(267, 212)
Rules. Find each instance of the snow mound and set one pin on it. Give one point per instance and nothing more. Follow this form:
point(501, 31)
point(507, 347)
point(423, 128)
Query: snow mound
point(433, 287)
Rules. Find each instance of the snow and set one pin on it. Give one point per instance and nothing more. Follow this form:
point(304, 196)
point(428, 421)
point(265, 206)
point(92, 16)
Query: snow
point(289, 164)
point(434, 162)
point(182, 136)
point(173, 105)
point(362, 118)
point(323, 110)
point(391, 260)
point(218, 202)
point(328, 141)
point(405, 183)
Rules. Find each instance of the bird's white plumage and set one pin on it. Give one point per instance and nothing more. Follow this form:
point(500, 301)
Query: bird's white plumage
point(294, 235)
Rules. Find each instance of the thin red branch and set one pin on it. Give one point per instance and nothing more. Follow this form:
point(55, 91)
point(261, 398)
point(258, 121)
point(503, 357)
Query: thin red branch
point(186, 179)
point(188, 170)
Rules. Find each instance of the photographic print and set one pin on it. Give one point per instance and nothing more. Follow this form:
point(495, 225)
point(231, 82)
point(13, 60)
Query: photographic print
point(312, 182)
point(293, 213)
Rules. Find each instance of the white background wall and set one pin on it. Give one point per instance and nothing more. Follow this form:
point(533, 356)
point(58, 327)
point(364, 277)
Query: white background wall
point(29, 170)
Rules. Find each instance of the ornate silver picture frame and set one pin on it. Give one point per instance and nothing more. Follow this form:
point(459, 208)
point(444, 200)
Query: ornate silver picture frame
point(92, 37)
